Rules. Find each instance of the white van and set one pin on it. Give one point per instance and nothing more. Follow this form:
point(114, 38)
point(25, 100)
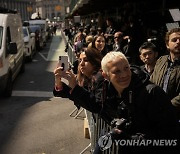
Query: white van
point(44, 26)
point(11, 49)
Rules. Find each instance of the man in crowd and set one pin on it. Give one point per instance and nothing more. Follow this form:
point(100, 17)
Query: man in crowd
point(167, 69)
point(109, 33)
point(118, 37)
point(148, 55)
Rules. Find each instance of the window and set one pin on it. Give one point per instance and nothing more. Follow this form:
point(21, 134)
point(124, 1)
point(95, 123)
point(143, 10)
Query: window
point(25, 32)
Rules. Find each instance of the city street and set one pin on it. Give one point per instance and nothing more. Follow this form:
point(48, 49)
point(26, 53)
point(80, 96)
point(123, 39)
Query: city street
point(125, 79)
point(33, 121)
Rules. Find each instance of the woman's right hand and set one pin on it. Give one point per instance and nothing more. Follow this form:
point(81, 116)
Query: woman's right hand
point(68, 75)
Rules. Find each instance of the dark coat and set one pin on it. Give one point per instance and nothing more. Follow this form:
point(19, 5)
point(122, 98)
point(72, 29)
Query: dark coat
point(151, 111)
point(94, 85)
point(144, 104)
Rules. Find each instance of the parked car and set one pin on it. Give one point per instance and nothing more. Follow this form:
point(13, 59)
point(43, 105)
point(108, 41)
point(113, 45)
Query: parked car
point(29, 41)
point(11, 49)
point(38, 36)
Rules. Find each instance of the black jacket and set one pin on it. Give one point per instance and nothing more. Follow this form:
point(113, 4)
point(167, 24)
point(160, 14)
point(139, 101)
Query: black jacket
point(146, 105)
point(92, 90)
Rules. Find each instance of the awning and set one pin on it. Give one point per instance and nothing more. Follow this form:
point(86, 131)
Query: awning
point(85, 7)
point(80, 4)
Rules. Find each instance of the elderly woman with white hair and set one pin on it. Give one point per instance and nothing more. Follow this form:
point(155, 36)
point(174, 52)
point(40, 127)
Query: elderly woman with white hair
point(128, 94)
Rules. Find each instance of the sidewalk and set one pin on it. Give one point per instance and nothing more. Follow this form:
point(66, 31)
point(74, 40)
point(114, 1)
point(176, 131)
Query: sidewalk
point(57, 47)
point(76, 141)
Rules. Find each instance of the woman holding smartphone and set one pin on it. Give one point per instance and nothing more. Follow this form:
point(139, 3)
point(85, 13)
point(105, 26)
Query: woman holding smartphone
point(88, 78)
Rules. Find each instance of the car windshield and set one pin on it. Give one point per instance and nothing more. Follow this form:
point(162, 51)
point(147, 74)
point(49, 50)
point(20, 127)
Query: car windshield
point(25, 32)
point(1, 35)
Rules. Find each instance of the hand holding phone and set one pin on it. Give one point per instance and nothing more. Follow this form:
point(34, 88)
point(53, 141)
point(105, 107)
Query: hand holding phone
point(63, 62)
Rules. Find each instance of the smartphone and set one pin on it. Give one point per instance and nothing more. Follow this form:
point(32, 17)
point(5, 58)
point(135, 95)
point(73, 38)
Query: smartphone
point(63, 62)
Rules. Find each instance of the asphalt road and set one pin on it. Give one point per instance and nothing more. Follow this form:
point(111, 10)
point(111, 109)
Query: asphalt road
point(32, 121)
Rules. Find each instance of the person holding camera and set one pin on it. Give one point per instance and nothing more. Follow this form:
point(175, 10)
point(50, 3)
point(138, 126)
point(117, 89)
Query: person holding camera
point(128, 94)
point(146, 111)
point(88, 71)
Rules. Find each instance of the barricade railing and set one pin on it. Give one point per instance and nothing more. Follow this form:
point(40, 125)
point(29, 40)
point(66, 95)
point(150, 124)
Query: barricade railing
point(97, 126)
point(69, 48)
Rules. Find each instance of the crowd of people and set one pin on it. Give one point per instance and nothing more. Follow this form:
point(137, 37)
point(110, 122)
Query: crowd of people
point(109, 81)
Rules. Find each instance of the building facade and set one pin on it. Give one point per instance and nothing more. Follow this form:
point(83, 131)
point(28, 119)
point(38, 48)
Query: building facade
point(47, 9)
point(24, 7)
point(51, 9)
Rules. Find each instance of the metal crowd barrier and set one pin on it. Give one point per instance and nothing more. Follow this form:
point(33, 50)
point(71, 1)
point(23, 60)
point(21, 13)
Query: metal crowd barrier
point(69, 48)
point(97, 126)
point(71, 55)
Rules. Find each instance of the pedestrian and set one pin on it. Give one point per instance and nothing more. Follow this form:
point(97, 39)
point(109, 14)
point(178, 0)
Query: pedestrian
point(54, 29)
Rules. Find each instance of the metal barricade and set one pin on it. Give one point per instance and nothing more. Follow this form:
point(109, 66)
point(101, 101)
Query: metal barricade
point(69, 48)
point(98, 127)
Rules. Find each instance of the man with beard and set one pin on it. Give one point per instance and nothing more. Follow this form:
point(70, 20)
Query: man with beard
point(167, 69)
point(148, 55)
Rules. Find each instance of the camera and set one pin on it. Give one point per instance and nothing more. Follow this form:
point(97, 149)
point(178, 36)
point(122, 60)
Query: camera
point(121, 123)
point(123, 120)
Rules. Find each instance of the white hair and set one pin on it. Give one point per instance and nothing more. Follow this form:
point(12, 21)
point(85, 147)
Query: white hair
point(109, 57)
